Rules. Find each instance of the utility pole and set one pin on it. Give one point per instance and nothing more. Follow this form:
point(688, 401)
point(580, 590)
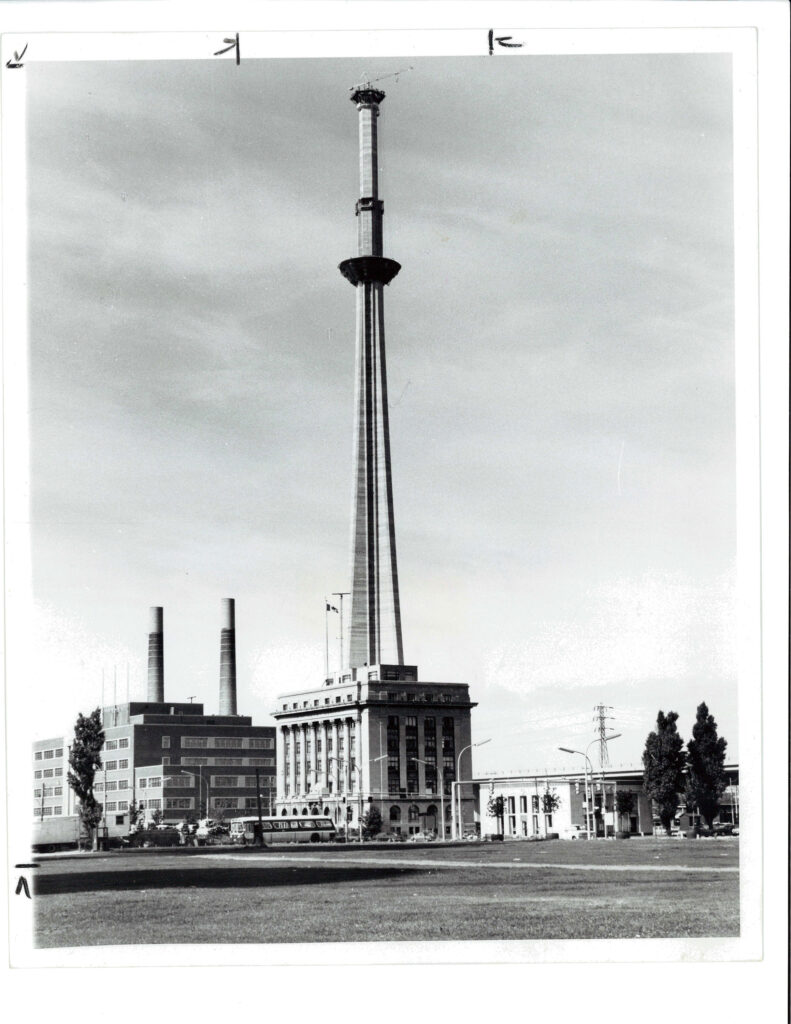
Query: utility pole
point(258, 801)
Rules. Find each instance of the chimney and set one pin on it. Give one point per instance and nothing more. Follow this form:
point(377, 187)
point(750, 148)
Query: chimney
point(156, 658)
point(228, 658)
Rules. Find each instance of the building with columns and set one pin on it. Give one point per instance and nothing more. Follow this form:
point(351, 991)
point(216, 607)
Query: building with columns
point(373, 734)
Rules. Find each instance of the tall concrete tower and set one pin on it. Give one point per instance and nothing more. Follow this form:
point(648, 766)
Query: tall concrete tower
point(375, 628)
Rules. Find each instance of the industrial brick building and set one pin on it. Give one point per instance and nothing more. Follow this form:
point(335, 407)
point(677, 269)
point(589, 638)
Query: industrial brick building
point(167, 757)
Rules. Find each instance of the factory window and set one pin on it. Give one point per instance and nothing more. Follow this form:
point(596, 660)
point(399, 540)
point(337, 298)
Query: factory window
point(112, 805)
point(260, 743)
point(38, 755)
point(195, 760)
point(154, 805)
point(123, 805)
point(112, 786)
point(165, 742)
point(178, 803)
point(57, 791)
point(59, 752)
point(326, 700)
point(225, 780)
point(47, 773)
point(111, 745)
point(123, 783)
point(294, 706)
point(395, 813)
point(534, 803)
point(297, 747)
point(99, 786)
point(315, 703)
point(329, 744)
point(179, 782)
point(37, 775)
point(414, 812)
point(224, 802)
point(228, 760)
point(224, 742)
point(57, 809)
point(194, 741)
point(48, 754)
point(45, 811)
point(337, 700)
point(304, 703)
point(348, 696)
point(165, 761)
point(111, 766)
point(154, 781)
point(59, 771)
point(511, 805)
point(523, 804)
point(123, 744)
point(123, 763)
point(262, 762)
point(548, 820)
point(36, 792)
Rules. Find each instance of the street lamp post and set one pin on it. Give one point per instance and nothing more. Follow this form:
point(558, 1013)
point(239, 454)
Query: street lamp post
point(380, 759)
point(428, 764)
point(589, 801)
point(351, 764)
point(458, 784)
point(201, 780)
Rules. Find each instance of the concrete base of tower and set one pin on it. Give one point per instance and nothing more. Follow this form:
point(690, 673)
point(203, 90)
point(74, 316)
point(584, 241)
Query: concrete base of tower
point(376, 737)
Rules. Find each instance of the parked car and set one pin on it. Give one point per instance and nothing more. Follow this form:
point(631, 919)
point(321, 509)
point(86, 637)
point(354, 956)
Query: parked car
point(390, 837)
point(572, 832)
point(423, 837)
point(724, 828)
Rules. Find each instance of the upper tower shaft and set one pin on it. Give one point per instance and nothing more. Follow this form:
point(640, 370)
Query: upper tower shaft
point(375, 629)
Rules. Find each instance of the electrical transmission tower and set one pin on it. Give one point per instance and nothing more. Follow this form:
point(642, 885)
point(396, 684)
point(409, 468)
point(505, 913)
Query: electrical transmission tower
point(601, 717)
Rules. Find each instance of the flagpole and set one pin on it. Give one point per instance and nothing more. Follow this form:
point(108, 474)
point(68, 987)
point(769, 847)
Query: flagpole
point(326, 641)
point(341, 595)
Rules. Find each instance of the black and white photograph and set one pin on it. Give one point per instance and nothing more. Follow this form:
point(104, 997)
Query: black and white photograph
point(387, 492)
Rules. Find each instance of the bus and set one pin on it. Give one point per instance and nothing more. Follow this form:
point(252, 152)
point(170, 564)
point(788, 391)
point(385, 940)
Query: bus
point(281, 830)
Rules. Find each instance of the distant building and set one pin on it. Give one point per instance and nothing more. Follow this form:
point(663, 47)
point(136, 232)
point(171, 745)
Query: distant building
point(615, 802)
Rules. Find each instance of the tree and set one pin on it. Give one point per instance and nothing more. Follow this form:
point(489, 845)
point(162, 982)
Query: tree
point(134, 813)
point(706, 779)
point(624, 804)
point(496, 810)
point(550, 801)
point(85, 759)
point(156, 816)
point(663, 767)
point(372, 822)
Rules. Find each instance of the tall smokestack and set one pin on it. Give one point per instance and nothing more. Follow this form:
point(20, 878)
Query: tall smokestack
point(228, 658)
point(156, 658)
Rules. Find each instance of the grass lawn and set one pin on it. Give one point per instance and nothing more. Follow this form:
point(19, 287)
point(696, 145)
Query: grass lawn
point(556, 890)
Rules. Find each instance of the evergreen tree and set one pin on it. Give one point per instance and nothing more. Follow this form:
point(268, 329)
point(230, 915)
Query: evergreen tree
point(496, 810)
point(706, 779)
point(663, 767)
point(85, 759)
point(372, 822)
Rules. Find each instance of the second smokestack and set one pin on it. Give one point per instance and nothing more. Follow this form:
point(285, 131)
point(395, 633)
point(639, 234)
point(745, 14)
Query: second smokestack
point(228, 658)
point(156, 658)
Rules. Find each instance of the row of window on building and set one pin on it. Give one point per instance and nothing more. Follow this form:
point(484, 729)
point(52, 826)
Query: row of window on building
point(48, 773)
point(46, 755)
point(222, 742)
point(389, 696)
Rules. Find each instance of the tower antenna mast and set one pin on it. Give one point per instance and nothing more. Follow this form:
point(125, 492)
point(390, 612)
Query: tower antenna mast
point(381, 78)
point(601, 716)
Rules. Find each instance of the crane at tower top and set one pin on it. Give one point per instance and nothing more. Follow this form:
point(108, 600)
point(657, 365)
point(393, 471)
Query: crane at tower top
point(368, 82)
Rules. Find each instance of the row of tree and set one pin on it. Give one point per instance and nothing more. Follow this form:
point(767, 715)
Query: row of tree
point(695, 775)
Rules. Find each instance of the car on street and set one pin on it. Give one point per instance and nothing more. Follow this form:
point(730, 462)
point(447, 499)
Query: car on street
point(572, 832)
point(423, 837)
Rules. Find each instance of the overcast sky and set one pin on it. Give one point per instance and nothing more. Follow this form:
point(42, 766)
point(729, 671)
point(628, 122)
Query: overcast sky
point(560, 361)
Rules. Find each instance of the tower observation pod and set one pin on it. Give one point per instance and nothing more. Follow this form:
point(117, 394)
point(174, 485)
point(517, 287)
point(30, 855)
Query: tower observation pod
point(375, 628)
